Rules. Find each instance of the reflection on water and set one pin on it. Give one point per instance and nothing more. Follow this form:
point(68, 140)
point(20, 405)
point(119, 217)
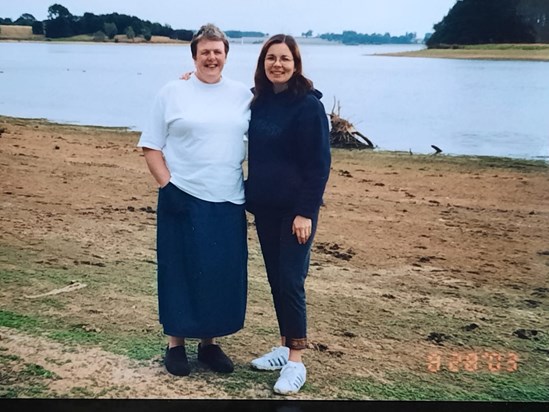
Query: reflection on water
point(463, 106)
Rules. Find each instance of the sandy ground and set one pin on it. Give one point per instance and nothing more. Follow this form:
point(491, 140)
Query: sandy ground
point(410, 249)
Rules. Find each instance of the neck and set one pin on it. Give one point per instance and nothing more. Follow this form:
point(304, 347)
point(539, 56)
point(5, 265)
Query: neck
point(279, 88)
point(208, 80)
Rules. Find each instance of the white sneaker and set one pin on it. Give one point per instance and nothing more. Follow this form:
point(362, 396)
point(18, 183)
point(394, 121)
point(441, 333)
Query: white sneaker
point(274, 360)
point(292, 377)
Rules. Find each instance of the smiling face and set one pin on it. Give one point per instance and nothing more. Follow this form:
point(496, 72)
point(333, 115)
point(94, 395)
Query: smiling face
point(210, 59)
point(279, 65)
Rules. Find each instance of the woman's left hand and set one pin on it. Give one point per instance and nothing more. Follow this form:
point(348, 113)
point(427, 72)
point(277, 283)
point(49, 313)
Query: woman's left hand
point(302, 228)
point(186, 76)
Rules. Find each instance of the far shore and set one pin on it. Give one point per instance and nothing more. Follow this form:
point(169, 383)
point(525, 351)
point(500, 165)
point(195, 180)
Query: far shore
point(536, 52)
point(527, 52)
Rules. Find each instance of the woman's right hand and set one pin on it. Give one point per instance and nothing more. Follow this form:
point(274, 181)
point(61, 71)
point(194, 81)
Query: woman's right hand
point(157, 166)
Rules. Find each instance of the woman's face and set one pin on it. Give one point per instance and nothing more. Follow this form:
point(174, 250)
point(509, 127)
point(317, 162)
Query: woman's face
point(209, 61)
point(279, 64)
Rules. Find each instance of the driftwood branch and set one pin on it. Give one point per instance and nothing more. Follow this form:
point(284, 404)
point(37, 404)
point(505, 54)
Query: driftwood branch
point(69, 288)
point(344, 134)
point(437, 149)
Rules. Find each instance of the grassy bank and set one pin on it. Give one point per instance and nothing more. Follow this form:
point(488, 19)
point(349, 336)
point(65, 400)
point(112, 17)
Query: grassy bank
point(533, 52)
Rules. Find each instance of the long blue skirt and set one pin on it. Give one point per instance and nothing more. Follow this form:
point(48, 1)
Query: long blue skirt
point(202, 265)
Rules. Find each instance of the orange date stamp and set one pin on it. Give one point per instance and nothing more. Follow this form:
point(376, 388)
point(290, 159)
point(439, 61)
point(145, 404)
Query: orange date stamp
point(487, 361)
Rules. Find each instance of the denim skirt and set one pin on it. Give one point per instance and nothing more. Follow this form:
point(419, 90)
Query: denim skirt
point(202, 265)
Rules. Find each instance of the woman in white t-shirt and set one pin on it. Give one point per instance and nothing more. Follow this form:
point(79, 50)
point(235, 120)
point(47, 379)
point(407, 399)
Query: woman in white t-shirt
point(194, 148)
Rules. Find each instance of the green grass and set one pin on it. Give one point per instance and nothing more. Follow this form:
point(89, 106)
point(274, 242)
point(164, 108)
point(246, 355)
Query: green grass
point(503, 46)
point(140, 346)
point(19, 379)
point(448, 386)
point(535, 52)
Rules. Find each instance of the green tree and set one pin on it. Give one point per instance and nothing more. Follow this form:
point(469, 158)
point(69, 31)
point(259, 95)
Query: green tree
point(58, 27)
point(480, 22)
point(26, 19)
point(58, 11)
point(90, 23)
point(130, 34)
point(147, 34)
point(60, 22)
point(110, 30)
point(99, 36)
point(37, 27)
point(308, 33)
point(536, 14)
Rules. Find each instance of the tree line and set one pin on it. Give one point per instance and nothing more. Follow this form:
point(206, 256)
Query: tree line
point(492, 21)
point(352, 38)
point(62, 23)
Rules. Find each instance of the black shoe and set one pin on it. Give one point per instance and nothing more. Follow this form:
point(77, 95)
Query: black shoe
point(176, 361)
point(213, 356)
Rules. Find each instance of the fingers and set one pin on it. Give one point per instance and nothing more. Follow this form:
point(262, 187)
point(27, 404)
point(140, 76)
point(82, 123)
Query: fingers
point(303, 234)
point(186, 76)
point(302, 228)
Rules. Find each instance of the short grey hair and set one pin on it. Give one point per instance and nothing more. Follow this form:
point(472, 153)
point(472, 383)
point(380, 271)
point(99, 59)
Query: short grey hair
point(208, 32)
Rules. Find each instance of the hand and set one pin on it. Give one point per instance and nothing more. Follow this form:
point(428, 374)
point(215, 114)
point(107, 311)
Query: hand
point(165, 183)
point(302, 227)
point(186, 76)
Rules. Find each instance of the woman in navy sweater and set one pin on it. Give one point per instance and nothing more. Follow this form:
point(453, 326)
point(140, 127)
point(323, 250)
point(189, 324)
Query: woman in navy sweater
point(288, 168)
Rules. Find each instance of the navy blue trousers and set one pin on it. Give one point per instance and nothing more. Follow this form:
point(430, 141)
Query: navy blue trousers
point(287, 264)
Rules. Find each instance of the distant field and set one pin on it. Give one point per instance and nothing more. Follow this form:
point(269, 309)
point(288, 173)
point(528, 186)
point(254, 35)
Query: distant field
point(17, 32)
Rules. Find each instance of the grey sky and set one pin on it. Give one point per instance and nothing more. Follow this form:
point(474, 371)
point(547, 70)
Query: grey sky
point(288, 16)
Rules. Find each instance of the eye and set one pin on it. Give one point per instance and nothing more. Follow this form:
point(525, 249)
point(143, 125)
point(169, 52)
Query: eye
point(270, 58)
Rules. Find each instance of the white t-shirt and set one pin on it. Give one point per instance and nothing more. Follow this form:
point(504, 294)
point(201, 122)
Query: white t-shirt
point(200, 129)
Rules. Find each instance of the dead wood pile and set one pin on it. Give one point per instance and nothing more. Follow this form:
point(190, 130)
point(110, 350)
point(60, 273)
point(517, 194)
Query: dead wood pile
point(344, 135)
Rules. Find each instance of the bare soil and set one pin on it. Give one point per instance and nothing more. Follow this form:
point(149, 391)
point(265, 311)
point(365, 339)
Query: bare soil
point(415, 257)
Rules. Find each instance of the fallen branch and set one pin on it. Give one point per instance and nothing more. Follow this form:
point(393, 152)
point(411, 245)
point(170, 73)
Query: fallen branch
point(69, 288)
point(344, 134)
point(437, 149)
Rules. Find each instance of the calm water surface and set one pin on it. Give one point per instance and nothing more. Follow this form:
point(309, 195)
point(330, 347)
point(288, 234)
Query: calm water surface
point(497, 108)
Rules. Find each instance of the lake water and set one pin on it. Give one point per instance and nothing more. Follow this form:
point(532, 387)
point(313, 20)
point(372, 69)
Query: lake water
point(495, 108)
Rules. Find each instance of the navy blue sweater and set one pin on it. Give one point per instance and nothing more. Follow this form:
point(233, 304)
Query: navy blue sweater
point(288, 154)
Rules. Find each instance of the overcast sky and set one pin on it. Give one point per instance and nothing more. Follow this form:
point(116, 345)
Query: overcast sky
point(268, 16)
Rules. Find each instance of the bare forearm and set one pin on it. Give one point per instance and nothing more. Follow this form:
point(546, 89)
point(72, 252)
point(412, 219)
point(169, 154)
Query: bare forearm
point(157, 166)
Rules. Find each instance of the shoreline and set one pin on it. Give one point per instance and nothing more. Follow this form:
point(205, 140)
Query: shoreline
point(528, 52)
point(535, 162)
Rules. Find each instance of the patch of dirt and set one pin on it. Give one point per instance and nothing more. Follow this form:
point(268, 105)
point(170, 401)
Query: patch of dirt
point(410, 252)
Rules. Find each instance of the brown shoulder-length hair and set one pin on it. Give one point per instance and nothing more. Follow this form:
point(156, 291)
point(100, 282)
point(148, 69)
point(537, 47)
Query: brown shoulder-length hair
point(298, 84)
